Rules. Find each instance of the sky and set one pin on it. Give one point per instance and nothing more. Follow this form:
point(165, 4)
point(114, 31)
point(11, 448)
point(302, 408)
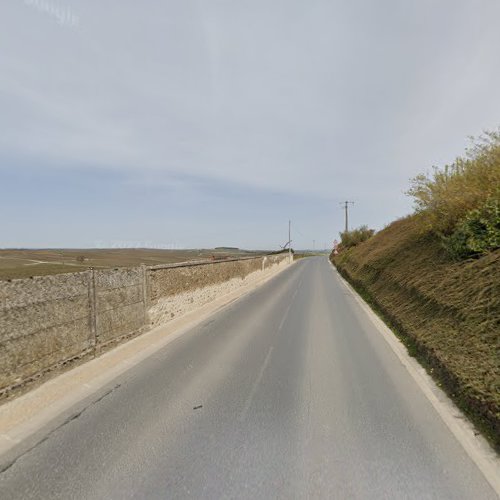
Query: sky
point(202, 123)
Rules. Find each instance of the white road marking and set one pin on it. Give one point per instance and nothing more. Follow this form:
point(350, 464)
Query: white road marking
point(284, 317)
point(287, 310)
point(249, 400)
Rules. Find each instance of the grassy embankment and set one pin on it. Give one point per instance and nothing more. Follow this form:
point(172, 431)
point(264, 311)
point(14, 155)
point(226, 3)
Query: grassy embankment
point(435, 278)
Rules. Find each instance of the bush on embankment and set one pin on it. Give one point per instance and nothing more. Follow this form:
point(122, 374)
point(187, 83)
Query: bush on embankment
point(444, 304)
point(461, 202)
point(349, 239)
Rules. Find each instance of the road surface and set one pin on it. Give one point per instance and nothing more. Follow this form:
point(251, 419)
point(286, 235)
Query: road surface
point(290, 392)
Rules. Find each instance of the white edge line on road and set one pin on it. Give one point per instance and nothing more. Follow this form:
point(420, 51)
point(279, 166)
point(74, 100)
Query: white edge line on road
point(476, 447)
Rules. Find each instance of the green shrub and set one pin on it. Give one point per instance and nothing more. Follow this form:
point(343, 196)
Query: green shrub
point(355, 237)
point(477, 234)
point(447, 196)
point(460, 203)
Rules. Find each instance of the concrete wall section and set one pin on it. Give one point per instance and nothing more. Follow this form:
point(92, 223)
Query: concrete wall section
point(176, 291)
point(120, 304)
point(44, 321)
point(172, 280)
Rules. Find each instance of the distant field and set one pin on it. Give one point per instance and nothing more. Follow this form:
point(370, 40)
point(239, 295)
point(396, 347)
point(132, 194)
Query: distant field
point(26, 263)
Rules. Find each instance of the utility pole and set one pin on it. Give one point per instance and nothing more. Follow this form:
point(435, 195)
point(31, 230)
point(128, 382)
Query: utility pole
point(289, 241)
point(314, 245)
point(346, 208)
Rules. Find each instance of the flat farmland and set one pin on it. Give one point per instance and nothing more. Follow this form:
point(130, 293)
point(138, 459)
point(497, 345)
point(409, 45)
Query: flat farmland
point(25, 263)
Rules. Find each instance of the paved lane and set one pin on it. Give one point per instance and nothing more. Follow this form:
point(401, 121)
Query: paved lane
point(297, 395)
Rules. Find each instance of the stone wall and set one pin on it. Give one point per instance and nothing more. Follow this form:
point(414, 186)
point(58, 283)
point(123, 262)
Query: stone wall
point(176, 290)
point(44, 321)
point(48, 322)
point(120, 303)
point(171, 280)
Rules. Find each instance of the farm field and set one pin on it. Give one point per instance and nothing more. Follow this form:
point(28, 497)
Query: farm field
point(24, 263)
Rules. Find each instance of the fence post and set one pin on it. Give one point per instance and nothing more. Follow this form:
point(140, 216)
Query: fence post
point(145, 293)
point(92, 310)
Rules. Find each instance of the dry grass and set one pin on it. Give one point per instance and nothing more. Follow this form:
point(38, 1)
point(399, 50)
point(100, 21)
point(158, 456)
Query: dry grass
point(26, 263)
point(448, 312)
point(446, 197)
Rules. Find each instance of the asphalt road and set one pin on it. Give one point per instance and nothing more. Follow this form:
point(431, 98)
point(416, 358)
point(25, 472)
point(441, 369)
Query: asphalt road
point(290, 392)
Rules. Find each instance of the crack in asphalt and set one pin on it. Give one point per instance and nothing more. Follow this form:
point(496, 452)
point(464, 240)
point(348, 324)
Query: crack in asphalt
point(71, 418)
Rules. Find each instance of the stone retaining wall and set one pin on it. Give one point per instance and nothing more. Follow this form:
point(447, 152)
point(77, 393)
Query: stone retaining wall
point(120, 303)
point(178, 290)
point(43, 321)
